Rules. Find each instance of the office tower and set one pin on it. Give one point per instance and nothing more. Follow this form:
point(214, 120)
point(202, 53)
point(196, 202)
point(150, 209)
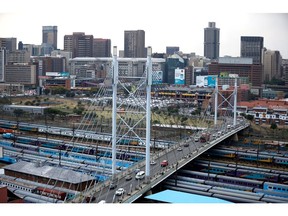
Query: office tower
point(170, 50)
point(79, 44)
point(134, 44)
point(49, 35)
point(251, 47)
point(272, 61)
point(173, 63)
point(101, 47)
point(18, 56)
point(21, 73)
point(9, 43)
point(20, 45)
point(2, 64)
point(244, 67)
point(211, 41)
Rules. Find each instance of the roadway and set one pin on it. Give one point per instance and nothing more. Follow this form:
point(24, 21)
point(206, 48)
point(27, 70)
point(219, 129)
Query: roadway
point(136, 188)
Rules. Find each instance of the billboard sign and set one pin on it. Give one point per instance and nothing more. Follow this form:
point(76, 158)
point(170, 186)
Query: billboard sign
point(58, 74)
point(201, 81)
point(179, 76)
point(211, 81)
point(64, 74)
point(224, 74)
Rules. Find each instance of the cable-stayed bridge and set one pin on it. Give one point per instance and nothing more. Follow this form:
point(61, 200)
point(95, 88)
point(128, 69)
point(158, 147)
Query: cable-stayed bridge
point(125, 130)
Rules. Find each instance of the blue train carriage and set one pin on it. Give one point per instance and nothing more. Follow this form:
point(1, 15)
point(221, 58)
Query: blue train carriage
point(240, 181)
point(257, 175)
point(128, 142)
point(8, 125)
point(28, 128)
point(255, 157)
point(221, 153)
point(281, 189)
point(280, 160)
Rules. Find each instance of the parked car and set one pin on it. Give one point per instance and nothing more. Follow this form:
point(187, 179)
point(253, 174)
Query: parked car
point(179, 149)
point(153, 162)
point(164, 163)
point(120, 191)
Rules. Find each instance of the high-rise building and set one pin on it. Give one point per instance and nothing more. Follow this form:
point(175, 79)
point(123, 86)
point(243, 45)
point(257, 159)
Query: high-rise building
point(170, 50)
point(18, 56)
point(251, 47)
point(211, 41)
point(101, 47)
point(9, 43)
point(244, 67)
point(3, 61)
point(272, 61)
point(285, 70)
point(79, 44)
point(173, 62)
point(134, 44)
point(49, 35)
point(20, 45)
point(21, 73)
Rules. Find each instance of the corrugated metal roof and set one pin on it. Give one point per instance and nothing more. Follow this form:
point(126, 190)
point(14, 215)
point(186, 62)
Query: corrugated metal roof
point(56, 173)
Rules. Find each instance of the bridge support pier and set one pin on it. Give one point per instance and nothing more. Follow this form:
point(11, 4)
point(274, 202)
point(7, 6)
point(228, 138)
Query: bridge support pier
point(235, 137)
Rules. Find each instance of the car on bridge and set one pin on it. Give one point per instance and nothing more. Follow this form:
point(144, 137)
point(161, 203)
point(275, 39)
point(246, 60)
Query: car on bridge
point(120, 191)
point(128, 177)
point(140, 175)
point(112, 186)
point(164, 163)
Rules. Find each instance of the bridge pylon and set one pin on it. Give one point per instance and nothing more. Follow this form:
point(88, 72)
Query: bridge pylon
point(226, 104)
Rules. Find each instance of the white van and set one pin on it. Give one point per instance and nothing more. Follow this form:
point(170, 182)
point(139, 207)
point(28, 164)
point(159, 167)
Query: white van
point(140, 175)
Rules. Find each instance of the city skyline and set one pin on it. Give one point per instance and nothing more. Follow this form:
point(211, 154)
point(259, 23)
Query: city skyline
point(163, 26)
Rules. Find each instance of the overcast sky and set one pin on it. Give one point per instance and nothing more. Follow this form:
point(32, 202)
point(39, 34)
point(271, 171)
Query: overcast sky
point(165, 22)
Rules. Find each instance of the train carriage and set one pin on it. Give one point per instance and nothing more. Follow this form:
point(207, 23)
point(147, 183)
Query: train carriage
point(52, 193)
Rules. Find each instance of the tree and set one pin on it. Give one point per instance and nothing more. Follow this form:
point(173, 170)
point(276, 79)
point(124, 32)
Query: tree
point(18, 113)
point(51, 112)
point(250, 117)
point(273, 126)
point(46, 91)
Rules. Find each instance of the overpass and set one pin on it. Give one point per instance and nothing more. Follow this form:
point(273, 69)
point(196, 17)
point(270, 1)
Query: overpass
point(177, 155)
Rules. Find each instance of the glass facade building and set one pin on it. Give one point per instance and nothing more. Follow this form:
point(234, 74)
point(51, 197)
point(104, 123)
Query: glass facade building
point(251, 47)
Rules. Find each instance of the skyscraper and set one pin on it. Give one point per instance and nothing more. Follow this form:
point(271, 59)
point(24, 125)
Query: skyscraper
point(9, 44)
point(251, 47)
point(272, 61)
point(170, 50)
point(134, 44)
point(79, 44)
point(211, 41)
point(101, 47)
point(3, 59)
point(49, 35)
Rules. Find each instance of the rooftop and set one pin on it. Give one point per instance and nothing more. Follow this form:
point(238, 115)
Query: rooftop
point(46, 171)
point(171, 196)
